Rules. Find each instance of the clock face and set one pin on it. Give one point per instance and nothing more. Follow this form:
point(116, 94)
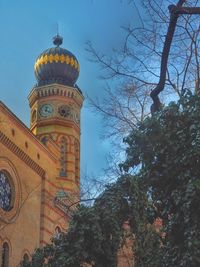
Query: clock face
point(46, 110)
point(64, 111)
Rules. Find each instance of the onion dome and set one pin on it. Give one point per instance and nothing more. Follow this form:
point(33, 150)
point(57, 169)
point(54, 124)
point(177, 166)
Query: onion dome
point(56, 65)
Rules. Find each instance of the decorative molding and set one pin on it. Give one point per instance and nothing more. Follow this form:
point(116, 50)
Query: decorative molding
point(55, 90)
point(60, 204)
point(64, 200)
point(56, 121)
point(21, 154)
point(55, 210)
point(25, 251)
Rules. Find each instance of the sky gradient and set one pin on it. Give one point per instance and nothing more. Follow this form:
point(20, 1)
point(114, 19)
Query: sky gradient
point(27, 28)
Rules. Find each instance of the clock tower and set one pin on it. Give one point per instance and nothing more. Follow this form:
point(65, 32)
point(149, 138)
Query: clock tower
point(40, 166)
point(55, 104)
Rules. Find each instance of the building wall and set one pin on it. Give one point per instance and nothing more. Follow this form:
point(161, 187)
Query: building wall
point(22, 229)
point(39, 191)
point(28, 164)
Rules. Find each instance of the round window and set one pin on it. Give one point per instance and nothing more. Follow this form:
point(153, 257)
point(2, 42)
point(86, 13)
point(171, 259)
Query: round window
point(5, 191)
point(64, 111)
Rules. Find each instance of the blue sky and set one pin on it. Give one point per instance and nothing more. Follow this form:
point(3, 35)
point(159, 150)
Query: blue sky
point(27, 28)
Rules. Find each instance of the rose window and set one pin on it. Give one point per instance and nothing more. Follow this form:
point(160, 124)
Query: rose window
point(5, 192)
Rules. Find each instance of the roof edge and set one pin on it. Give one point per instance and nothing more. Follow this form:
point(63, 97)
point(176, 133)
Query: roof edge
point(28, 131)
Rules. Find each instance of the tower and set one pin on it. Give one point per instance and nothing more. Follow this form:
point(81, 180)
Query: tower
point(55, 104)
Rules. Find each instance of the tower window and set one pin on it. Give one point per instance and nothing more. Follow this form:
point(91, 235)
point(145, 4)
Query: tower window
point(63, 157)
point(5, 255)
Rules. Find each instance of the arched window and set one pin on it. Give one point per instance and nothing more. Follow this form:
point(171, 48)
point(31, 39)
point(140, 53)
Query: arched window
point(26, 258)
point(77, 159)
point(57, 232)
point(44, 140)
point(63, 157)
point(5, 191)
point(5, 255)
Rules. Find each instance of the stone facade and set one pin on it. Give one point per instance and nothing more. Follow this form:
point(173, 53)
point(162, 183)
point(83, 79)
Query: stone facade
point(40, 192)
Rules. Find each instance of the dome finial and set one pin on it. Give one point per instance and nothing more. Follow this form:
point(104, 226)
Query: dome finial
point(57, 40)
point(60, 65)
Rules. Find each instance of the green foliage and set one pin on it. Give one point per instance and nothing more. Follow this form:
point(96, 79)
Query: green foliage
point(165, 148)
point(96, 233)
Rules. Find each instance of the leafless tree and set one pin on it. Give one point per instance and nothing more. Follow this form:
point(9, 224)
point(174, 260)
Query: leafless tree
point(133, 71)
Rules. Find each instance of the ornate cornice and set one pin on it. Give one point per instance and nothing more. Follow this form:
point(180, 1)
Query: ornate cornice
point(21, 154)
point(55, 90)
